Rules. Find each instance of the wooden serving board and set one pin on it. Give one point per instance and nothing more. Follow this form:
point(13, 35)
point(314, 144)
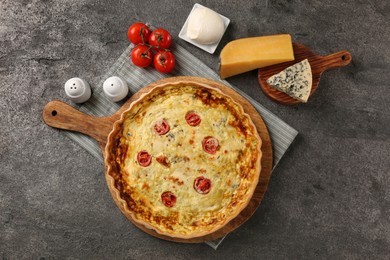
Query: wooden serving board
point(318, 64)
point(60, 115)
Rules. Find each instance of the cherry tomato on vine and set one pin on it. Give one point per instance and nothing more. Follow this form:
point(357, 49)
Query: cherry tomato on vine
point(164, 61)
point(160, 38)
point(141, 56)
point(138, 33)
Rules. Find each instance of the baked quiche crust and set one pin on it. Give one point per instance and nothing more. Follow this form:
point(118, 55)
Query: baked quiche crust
point(184, 159)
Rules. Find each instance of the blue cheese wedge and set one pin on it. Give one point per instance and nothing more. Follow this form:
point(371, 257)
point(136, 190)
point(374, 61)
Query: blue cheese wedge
point(295, 81)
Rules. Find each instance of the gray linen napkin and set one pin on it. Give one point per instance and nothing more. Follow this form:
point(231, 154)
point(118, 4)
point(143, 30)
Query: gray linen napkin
point(282, 135)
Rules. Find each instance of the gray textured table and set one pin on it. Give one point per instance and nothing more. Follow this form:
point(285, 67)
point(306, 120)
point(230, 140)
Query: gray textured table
point(328, 198)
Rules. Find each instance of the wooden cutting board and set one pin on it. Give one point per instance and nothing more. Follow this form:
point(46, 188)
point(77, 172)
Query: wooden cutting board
point(318, 63)
point(60, 115)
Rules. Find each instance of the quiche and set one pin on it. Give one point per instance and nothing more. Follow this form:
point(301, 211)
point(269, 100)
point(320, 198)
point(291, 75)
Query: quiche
point(184, 159)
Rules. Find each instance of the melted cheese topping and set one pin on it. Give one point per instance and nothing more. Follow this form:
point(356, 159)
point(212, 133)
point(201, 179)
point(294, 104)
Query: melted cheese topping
point(231, 169)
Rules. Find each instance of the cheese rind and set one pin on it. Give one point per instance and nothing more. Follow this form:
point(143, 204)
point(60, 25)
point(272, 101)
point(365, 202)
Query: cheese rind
point(295, 81)
point(247, 54)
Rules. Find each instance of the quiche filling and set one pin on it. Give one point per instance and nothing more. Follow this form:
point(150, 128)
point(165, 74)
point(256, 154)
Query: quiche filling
point(186, 160)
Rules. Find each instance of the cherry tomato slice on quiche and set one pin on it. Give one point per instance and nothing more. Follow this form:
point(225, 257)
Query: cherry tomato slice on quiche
point(168, 199)
point(210, 144)
point(161, 127)
point(138, 33)
point(193, 119)
point(164, 61)
point(160, 38)
point(141, 56)
point(202, 185)
point(144, 158)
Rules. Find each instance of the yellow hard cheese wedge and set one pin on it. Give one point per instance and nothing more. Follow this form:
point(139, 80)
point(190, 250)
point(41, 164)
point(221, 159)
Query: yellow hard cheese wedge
point(247, 54)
